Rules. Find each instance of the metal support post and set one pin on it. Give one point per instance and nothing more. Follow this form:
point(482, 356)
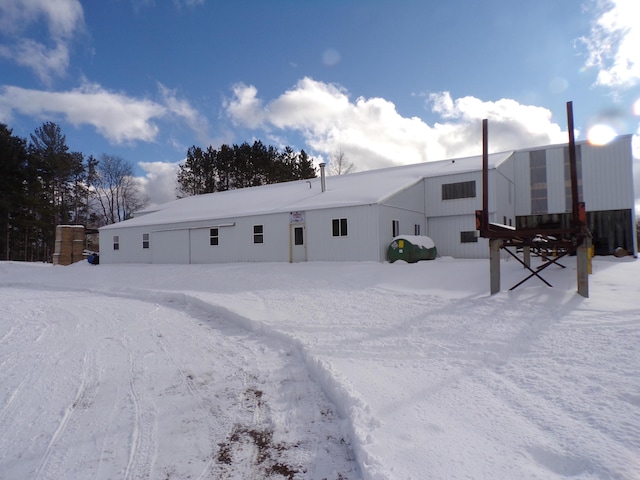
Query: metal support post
point(526, 252)
point(582, 259)
point(494, 263)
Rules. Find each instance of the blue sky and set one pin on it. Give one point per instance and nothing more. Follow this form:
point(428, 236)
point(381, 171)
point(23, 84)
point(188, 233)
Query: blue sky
point(384, 82)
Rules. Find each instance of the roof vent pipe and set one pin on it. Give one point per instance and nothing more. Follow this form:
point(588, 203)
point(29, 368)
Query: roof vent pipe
point(323, 184)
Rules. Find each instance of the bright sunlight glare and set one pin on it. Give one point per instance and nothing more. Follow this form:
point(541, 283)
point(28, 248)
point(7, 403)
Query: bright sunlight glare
point(601, 134)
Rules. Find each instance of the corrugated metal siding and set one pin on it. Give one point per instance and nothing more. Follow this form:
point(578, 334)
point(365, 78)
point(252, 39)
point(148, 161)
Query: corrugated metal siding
point(235, 243)
point(360, 244)
point(607, 177)
point(130, 250)
point(522, 180)
point(445, 232)
point(436, 207)
point(610, 166)
point(504, 196)
point(170, 246)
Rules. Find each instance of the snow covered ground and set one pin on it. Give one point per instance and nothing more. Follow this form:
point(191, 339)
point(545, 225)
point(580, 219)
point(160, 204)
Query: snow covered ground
point(318, 370)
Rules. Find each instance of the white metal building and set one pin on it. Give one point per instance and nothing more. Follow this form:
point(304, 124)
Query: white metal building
point(357, 215)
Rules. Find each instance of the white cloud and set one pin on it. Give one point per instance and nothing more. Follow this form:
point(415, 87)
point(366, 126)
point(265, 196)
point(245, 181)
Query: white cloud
point(44, 61)
point(116, 116)
point(372, 134)
point(511, 125)
point(64, 18)
point(245, 108)
point(613, 43)
point(159, 181)
point(369, 131)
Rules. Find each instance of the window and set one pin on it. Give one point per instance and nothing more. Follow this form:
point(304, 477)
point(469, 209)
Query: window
point(451, 191)
point(213, 237)
point(468, 237)
point(416, 229)
point(145, 240)
point(339, 227)
point(116, 242)
point(395, 228)
point(538, 171)
point(298, 236)
point(258, 234)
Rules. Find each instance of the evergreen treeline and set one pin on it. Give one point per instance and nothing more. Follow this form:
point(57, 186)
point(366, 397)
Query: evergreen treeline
point(240, 166)
point(43, 184)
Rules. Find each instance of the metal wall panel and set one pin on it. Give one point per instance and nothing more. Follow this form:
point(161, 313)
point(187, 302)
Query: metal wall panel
point(504, 195)
point(130, 250)
point(171, 246)
point(445, 232)
point(235, 243)
point(437, 207)
point(608, 175)
point(361, 243)
point(522, 180)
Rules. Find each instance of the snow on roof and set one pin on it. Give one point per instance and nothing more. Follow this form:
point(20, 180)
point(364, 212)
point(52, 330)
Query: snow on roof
point(360, 188)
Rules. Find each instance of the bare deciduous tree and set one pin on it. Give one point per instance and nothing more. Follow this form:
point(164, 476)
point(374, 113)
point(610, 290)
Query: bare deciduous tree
point(116, 190)
point(339, 165)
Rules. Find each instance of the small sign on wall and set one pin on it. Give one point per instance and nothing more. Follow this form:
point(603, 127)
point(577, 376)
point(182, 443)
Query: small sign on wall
point(296, 217)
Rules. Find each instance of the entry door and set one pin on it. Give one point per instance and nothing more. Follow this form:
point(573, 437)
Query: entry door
point(298, 242)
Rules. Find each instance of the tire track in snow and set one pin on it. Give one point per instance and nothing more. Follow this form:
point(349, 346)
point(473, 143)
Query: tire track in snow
point(143, 445)
point(6, 410)
point(84, 396)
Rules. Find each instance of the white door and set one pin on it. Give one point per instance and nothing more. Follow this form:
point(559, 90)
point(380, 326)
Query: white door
point(298, 242)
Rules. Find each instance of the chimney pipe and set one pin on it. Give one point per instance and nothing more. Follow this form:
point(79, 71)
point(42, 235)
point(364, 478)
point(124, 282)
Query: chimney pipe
point(323, 184)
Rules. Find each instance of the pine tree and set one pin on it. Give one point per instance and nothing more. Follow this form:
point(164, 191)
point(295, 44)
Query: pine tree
point(13, 158)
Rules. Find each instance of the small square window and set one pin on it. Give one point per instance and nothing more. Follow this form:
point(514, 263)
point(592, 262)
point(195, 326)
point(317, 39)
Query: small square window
point(258, 234)
point(213, 236)
point(145, 240)
point(116, 242)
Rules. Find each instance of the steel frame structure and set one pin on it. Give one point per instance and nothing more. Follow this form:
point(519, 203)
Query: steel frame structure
point(563, 241)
